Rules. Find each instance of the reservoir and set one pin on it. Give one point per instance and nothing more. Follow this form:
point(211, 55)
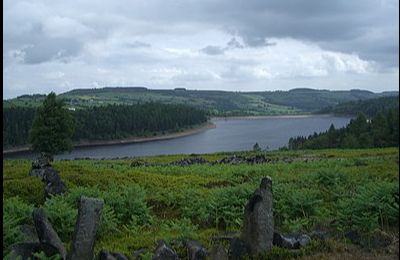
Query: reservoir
point(231, 134)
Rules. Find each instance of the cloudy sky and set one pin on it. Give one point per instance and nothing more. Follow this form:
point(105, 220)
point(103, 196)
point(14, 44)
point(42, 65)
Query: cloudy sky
point(239, 45)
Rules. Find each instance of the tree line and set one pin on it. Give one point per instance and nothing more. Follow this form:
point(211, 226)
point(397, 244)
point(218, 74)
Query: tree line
point(369, 107)
point(107, 122)
point(380, 131)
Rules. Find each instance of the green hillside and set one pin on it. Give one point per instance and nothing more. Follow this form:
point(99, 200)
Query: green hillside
point(216, 103)
point(334, 191)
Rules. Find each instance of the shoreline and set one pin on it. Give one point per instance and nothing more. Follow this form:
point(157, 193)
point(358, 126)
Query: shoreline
point(186, 132)
point(277, 116)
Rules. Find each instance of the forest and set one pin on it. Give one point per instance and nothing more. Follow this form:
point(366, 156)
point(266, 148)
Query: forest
point(107, 122)
point(369, 107)
point(380, 131)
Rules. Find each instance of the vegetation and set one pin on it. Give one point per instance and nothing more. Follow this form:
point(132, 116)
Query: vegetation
point(104, 123)
point(215, 103)
point(369, 107)
point(332, 190)
point(381, 131)
point(52, 127)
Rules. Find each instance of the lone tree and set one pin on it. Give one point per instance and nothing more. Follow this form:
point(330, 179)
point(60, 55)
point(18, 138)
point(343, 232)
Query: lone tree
point(52, 127)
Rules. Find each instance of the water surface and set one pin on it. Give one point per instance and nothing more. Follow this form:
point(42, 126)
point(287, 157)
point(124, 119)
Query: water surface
point(229, 135)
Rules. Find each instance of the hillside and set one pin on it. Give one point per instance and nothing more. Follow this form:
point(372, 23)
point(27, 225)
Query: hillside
point(349, 196)
point(369, 107)
point(216, 103)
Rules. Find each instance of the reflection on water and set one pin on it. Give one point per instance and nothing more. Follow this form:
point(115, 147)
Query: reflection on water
point(229, 135)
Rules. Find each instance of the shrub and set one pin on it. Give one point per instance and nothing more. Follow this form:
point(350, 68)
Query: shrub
point(15, 213)
point(62, 216)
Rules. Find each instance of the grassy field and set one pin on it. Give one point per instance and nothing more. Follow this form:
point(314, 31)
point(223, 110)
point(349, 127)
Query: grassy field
point(329, 190)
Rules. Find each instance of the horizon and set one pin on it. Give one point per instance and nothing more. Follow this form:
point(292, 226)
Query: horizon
point(186, 89)
point(208, 45)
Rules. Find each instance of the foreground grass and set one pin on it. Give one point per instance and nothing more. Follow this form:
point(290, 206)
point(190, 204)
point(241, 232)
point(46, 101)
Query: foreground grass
point(331, 190)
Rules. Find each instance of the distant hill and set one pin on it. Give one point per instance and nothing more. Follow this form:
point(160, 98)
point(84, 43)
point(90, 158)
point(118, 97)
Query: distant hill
point(216, 103)
point(369, 107)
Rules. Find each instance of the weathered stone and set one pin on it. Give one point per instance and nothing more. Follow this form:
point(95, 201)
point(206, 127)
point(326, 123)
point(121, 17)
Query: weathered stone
point(258, 224)
point(26, 250)
point(164, 252)
point(85, 229)
point(196, 250)
point(293, 241)
point(29, 233)
point(304, 240)
point(105, 255)
point(54, 184)
point(238, 249)
point(46, 233)
point(218, 253)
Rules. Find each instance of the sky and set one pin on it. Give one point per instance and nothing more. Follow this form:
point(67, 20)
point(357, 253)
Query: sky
point(235, 45)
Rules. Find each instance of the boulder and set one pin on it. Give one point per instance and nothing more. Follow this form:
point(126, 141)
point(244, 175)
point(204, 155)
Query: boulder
point(53, 183)
point(46, 233)
point(26, 250)
point(294, 241)
point(164, 252)
point(258, 224)
point(218, 253)
point(84, 237)
point(29, 233)
point(238, 249)
point(196, 250)
point(105, 255)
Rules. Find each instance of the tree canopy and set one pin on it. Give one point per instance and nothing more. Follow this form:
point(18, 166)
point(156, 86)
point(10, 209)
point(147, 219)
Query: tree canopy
point(52, 128)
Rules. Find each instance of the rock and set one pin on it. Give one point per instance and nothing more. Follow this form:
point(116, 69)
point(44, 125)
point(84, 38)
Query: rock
point(54, 184)
point(46, 233)
point(304, 240)
point(26, 250)
point(119, 256)
point(85, 229)
point(238, 249)
point(40, 164)
point(319, 235)
point(258, 224)
point(164, 252)
point(218, 253)
point(196, 250)
point(285, 242)
point(291, 241)
point(137, 254)
point(377, 239)
point(353, 236)
point(105, 255)
point(189, 161)
point(29, 233)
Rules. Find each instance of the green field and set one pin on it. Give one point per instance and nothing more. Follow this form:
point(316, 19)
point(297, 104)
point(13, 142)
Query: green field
point(331, 190)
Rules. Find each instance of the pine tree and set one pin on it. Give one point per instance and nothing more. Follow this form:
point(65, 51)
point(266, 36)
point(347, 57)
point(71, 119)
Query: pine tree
point(52, 127)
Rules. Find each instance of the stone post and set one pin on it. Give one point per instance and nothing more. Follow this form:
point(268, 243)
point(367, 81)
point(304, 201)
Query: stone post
point(258, 224)
point(85, 229)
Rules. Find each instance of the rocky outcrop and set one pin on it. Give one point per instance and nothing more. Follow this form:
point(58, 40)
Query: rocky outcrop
point(46, 233)
point(164, 252)
point(85, 229)
point(196, 250)
point(258, 224)
point(41, 167)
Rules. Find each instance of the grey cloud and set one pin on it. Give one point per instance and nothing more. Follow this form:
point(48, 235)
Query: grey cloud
point(213, 50)
point(138, 44)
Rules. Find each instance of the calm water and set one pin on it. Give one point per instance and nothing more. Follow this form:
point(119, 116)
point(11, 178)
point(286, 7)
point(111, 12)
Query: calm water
point(229, 135)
